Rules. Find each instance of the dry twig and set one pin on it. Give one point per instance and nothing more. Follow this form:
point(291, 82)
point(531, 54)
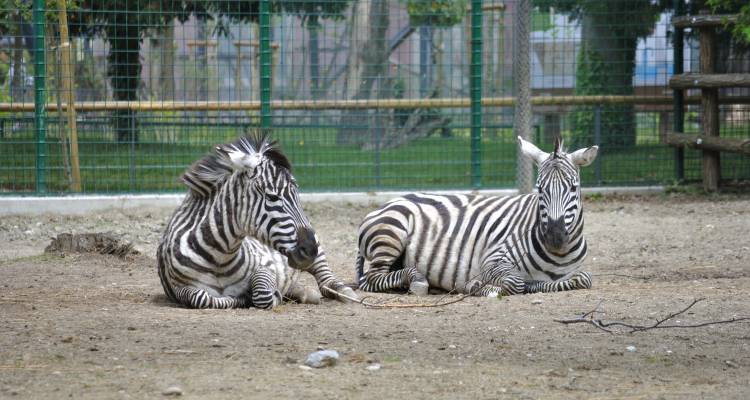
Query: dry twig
point(588, 318)
point(363, 301)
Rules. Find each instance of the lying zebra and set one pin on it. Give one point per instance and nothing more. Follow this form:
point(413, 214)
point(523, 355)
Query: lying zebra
point(482, 245)
point(240, 237)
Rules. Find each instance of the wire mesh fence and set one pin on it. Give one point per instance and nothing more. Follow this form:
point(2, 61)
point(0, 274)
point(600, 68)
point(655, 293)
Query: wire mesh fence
point(362, 94)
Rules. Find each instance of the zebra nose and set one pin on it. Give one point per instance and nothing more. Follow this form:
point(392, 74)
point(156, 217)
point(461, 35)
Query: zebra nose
point(307, 246)
point(556, 235)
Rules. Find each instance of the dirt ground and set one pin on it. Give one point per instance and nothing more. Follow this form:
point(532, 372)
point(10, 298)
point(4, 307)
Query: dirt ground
point(92, 326)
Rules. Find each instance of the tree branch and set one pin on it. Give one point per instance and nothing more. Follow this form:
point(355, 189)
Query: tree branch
point(588, 318)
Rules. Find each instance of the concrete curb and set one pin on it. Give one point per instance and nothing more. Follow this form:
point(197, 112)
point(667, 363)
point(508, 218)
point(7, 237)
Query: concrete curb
point(35, 205)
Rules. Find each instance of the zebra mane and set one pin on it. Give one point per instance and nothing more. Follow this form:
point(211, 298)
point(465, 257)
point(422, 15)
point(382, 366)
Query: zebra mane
point(243, 154)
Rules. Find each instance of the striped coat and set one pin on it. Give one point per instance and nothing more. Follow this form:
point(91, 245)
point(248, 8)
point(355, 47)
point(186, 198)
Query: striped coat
point(484, 245)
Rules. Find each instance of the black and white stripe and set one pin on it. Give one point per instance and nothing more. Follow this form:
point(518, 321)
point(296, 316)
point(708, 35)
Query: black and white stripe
point(483, 245)
point(240, 236)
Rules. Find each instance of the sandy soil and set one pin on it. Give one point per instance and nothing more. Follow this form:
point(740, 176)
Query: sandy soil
point(91, 326)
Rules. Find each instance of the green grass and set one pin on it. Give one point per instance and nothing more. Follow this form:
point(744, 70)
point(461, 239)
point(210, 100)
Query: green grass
point(155, 164)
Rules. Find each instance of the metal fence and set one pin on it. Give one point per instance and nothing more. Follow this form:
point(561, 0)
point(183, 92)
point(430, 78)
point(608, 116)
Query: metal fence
point(362, 94)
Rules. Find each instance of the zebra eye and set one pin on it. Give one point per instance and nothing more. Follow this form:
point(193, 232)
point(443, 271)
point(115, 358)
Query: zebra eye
point(272, 197)
point(574, 188)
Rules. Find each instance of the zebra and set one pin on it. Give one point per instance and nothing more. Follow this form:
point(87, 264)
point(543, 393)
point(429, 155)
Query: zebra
point(240, 237)
point(482, 245)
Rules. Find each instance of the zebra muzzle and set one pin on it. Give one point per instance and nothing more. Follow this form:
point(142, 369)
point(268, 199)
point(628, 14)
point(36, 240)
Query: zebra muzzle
point(306, 250)
point(556, 236)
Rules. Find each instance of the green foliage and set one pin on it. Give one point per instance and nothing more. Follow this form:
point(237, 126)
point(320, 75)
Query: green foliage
point(593, 77)
point(740, 29)
point(437, 13)
point(311, 11)
point(606, 61)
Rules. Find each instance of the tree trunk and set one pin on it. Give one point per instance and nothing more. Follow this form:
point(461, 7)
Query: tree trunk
point(369, 66)
point(166, 69)
point(606, 66)
point(16, 84)
point(313, 26)
point(125, 73)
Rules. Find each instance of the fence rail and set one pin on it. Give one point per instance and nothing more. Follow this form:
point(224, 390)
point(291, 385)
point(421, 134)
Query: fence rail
point(361, 104)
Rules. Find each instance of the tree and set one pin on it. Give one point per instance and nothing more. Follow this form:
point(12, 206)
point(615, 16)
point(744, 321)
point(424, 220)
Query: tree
point(741, 28)
point(367, 63)
point(606, 61)
point(368, 74)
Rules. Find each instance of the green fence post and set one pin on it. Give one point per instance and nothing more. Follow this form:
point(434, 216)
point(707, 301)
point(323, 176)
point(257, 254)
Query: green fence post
point(475, 88)
point(265, 63)
point(40, 96)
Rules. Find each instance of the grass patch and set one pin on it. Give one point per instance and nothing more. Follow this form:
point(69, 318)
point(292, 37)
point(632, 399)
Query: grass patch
point(434, 163)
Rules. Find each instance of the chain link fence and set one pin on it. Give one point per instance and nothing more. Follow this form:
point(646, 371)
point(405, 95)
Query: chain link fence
point(121, 96)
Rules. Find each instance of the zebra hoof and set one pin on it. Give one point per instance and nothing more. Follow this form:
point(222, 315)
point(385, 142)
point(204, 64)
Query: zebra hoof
point(351, 297)
point(310, 296)
point(419, 288)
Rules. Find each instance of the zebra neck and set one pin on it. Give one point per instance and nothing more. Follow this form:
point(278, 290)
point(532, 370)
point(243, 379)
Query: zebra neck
point(218, 228)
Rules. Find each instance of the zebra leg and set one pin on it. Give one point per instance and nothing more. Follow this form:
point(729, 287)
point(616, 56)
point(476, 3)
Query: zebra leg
point(417, 282)
point(581, 280)
point(263, 291)
point(382, 279)
point(326, 280)
point(500, 278)
point(192, 297)
point(303, 294)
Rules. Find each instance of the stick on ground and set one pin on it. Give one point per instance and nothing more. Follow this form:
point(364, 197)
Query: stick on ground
point(588, 318)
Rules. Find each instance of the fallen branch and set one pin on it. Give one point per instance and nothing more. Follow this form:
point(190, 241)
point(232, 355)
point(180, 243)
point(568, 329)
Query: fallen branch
point(623, 276)
point(363, 301)
point(588, 318)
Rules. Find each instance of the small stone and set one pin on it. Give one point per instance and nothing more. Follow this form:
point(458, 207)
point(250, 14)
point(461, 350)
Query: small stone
point(451, 346)
point(373, 367)
point(28, 232)
point(731, 364)
point(630, 348)
point(322, 359)
point(305, 368)
point(537, 301)
point(172, 391)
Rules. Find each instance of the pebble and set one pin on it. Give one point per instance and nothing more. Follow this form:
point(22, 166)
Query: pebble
point(305, 367)
point(172, 391)
point(537, 301)
point(373, 367)
point(630, 348)
point(322, 359)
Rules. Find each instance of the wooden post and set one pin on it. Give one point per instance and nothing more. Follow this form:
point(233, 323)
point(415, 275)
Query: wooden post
point(710, 110)
point(67, 81)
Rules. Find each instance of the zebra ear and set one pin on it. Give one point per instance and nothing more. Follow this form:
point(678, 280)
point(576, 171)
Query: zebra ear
point(240, 159)
point(584, 157)
point(532, 151)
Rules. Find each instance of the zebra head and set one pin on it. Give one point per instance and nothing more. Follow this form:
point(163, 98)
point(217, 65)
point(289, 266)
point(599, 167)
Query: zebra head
point(559, 192)
point(260, 192)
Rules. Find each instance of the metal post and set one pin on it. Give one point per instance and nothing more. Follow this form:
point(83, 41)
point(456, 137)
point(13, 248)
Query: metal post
point(475, 88)
point(521, 74)
point(265, 63)
point(40, 95)
point(678, 104)
point(598, 142)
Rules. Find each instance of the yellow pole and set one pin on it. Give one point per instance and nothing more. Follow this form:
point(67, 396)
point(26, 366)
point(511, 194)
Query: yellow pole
point(67, 81)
